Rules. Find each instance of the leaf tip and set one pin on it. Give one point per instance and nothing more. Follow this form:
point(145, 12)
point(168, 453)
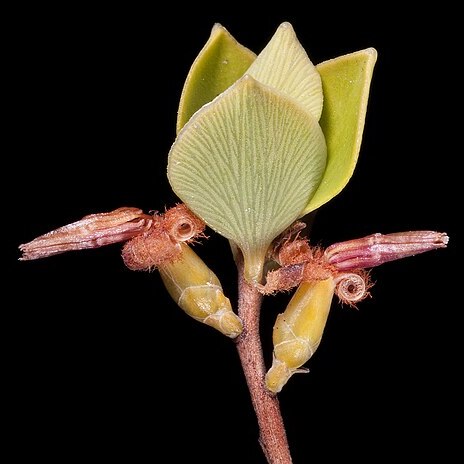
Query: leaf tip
point(286, 25)
point(217, 27)
point(218, 31)
point(371, 55)
point(285, 31)
point(371, 51)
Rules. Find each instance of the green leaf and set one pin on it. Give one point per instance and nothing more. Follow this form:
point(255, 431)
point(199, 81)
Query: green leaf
point(247, 164)
point(220, 63)
point(284, 65)
point(346, 83)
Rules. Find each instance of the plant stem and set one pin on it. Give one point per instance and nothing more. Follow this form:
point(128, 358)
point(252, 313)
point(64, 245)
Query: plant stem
point(272, 436)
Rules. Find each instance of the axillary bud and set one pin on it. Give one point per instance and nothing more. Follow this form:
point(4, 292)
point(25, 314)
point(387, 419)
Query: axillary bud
point(197, 290)
point(298, 331)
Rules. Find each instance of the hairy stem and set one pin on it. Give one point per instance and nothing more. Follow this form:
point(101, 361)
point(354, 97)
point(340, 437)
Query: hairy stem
point(272, 436)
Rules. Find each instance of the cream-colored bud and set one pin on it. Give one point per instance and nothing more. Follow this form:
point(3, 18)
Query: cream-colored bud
point(298, 331)
point(197, 290)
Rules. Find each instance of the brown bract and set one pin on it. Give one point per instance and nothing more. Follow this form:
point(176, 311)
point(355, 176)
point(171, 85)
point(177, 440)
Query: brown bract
point(161, 243)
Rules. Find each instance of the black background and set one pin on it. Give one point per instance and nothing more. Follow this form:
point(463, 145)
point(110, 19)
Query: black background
point(100, 363)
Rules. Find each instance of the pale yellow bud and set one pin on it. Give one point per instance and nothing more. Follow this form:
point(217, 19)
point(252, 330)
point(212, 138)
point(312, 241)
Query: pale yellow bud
point(197, 290)
point(298, 331)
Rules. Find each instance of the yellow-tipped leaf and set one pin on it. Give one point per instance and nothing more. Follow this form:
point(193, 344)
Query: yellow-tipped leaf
point(220, 63)
point(346, 83)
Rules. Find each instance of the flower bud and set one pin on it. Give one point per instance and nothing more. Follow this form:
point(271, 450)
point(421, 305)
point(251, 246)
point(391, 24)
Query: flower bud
point(298, 331)
point(197, 290)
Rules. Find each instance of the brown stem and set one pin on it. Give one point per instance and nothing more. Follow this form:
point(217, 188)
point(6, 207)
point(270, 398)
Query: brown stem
point(272, 436)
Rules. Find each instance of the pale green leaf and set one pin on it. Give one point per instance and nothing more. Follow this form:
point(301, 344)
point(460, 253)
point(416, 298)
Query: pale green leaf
point(284, 65)
point(220, 63)
point(247, 164)
point(346, 83)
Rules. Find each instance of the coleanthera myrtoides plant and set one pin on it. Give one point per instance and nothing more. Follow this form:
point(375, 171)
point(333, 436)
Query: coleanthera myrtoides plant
point(262, 141)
